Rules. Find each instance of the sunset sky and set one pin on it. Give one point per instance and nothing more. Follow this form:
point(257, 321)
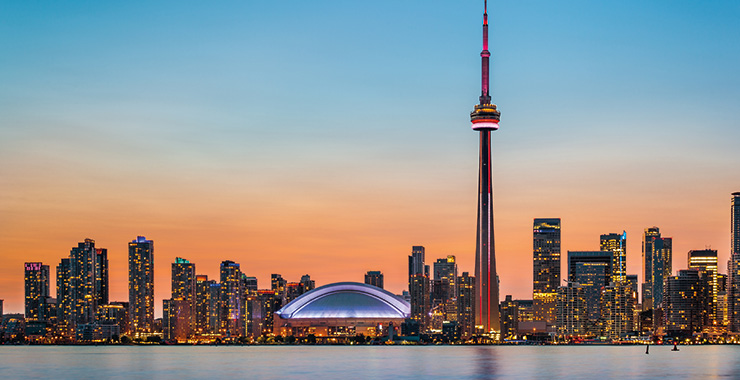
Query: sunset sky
point(328, 137)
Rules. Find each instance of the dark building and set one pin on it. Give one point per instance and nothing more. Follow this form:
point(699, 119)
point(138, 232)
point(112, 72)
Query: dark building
point(509, 318)
point(419, 287)
point(64, 298)
point(684, 308)
point(36, 278)
point(307, 282)
point(466, 305)
point(202, 303)
point(546, 267)
point(374, 278)
point(445, 278)
point(733, 266)
point(617, 244)
point(591, 270)
point(657, 256)
point(232, 322)
point(141, 285)
point(101, 276)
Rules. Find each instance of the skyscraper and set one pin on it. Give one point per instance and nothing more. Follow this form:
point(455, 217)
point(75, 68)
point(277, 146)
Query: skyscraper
point(657, 256)
point(101, 276)
point(445, 278)
point(571, 310)
point(183, 291)
point(141, 285)
point(485, 119)
point(733, 266)
point(592, 271)
point(684, 307)
point(616, 243)
point(617, 310)
point(83, 281)
point(546, 267)
point(374, 278)
point(419, 287)
point(202, 301)
point(36, 278)
point(231, 299)
point(705, 261)
point(64, 297)
point(466, 305)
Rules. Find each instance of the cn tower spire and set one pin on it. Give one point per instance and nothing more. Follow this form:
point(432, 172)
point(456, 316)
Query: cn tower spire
point(485, 119)
point(485, 98)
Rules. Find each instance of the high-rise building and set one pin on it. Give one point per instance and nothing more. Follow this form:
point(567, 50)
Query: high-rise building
point(183, 291)
point(617, 244)
point(64, 297)
point(546, 267)
point(307, 282)
point(278, 284)
point(485, 118)
point(250, 284)
point(657, 256)
point(1, 309)
point(101, 276)
point(592, 271)
point(445, 278)
point(36, 278)
point(684, 308)
point(705, 261)
point(83, 259)
point(141, 285)
point(374, 278)
point(215, 310)
point(617, 310)
point(202, 300)
point(721, 299)
point(571, 310)
point(466, 305)
point(419, 287)
point(733, 266)
point(231, 299)
point(509, 317)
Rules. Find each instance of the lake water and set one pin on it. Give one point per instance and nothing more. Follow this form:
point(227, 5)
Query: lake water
point(368, 362)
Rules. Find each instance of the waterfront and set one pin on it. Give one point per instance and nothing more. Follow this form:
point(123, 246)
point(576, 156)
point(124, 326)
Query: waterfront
point(368, 362)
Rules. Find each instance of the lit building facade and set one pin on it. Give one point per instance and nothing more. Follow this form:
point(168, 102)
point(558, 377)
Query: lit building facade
point(684, 308)
point(141, 285)
point(617, 306)
point(82, 283)
point(592, 271)
point(443, 291)
point(546, 267)
point(657, 258)
point(232, 322)
point(733, 266)
point(419, 287)
point(36, 279)
point(705, 261)
point(509, 318)
point(183, 289)
point(466, 305)
point(374, 278)
point(202, 303)
point(617, 244)
point(64, 297)
point(571, 310)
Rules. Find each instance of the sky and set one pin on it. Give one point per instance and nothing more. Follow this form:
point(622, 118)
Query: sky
point(328, 137)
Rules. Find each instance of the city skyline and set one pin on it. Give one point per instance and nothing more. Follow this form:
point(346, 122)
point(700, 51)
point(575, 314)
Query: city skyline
point(152, 169)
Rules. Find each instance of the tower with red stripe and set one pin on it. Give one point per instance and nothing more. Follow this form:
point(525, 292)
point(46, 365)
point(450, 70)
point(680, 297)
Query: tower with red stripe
point(485, 119)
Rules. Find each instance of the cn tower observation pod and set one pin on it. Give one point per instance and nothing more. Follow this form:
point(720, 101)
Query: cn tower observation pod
point(346, 300)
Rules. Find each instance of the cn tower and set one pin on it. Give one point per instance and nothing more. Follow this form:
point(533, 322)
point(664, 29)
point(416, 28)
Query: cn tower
point(485, 120)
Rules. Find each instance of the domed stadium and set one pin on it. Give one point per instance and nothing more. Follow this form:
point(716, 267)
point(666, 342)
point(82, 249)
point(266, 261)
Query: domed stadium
point(341, 309)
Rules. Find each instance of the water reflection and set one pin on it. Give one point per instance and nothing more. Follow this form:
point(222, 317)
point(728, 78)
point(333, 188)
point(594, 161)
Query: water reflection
point(485, 362)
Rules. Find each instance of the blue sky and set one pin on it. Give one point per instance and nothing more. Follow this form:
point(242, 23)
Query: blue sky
point(615, 115)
